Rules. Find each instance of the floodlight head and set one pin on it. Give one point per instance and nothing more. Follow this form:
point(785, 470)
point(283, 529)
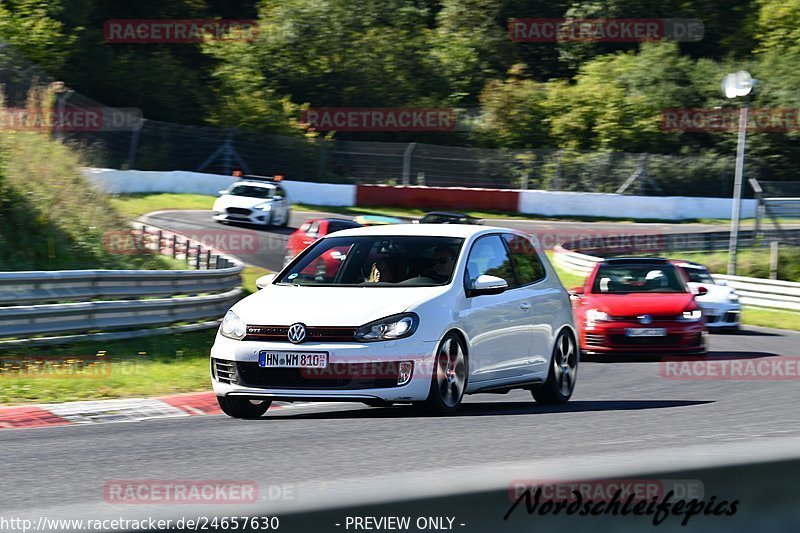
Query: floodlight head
point(737, 84)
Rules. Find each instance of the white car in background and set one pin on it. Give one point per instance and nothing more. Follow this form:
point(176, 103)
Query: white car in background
point(253, 202)
point(720, 304)
point(413, 313)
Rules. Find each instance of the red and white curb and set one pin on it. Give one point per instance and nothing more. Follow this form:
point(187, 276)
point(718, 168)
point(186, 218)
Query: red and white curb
point(123, 410)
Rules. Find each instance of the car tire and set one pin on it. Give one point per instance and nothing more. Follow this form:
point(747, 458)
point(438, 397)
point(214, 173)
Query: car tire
point(286, 219)
point(449, 377)
point(238, 407)
point(560, 383)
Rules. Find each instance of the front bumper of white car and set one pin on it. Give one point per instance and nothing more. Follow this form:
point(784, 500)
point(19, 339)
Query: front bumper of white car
point(354, 372)
point(721, 315)
point(243, 214)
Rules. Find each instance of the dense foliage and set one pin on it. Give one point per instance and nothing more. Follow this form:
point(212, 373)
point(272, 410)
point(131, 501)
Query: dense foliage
point(429, 53)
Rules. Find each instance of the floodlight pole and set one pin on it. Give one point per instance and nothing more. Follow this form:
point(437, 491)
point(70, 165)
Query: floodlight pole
point(737, 187)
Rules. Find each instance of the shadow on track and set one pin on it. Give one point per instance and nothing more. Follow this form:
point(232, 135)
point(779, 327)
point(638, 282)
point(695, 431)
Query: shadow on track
point(656, 358)
point(280, 230)
point(746, 333)
point(495, 409)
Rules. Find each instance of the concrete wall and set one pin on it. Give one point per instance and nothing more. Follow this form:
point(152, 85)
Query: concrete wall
point(617, 205)
point(548, 203)
point(140, 181)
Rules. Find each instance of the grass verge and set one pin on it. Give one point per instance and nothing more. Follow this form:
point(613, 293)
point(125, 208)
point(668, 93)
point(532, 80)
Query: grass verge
point(249, 276)
point(150, 366)
point(752, 262)
point(133, 206)
point(52, 218)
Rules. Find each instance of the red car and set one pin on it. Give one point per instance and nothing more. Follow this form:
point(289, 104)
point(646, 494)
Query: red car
point(638, 305)
point(312, 230)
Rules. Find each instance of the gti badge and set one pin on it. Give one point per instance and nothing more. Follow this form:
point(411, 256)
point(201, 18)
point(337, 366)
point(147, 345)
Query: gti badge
point(645, 319)
point(297, 333)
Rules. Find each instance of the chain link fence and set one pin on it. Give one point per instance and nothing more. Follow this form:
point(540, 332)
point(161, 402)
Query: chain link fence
point(154, 145)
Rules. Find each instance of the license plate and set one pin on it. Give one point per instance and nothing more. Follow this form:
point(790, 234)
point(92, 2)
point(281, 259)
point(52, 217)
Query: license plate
point(293, 359)
point(646, 332)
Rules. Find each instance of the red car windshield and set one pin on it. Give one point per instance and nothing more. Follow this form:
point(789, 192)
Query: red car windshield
point(635, 278)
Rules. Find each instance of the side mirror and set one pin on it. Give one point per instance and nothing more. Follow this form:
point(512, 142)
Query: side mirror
point(223, 191)
point(575, 293)
point(487, 284)
point(701, 291)
point(263, 281)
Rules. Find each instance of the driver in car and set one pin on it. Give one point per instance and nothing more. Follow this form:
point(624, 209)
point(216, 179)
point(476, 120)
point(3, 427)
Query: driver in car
point(443, 262)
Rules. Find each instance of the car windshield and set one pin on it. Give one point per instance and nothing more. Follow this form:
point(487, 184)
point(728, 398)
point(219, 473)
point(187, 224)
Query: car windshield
point(376, 261)
point(251, 191)
point(621, 279)
point(698, 275)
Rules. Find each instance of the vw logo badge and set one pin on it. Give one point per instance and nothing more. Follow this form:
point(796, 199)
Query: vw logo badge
point(297, 333)
point(645, 319)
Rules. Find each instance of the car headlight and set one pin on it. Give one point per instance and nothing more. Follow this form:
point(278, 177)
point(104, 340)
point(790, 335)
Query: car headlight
point(233, 327)
point(733, 296)
point(389, 328)
point(692, 315)
point(595, 315)
point(264, 207)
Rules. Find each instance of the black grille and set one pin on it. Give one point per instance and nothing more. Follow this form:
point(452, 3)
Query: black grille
point(238, 211)
point(624, 340)
point(313, 333)
point(594, 339)
point(223, 371)
point(335, 376)
point(731, 317)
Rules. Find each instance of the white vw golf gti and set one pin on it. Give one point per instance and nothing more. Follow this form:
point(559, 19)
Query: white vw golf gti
point(421, 313)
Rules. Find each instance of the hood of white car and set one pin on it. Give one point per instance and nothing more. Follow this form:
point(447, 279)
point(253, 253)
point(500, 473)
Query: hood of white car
point(226, 200)
point(280, 305)
point(716, 293)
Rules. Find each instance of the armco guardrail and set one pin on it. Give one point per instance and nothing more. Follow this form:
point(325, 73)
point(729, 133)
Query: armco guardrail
point(90, 302)
point(58, 286)
point(756, 292)
point(112, 315)
point(760, 292)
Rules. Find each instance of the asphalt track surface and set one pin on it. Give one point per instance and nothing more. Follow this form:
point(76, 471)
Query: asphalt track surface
point(619, 407)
